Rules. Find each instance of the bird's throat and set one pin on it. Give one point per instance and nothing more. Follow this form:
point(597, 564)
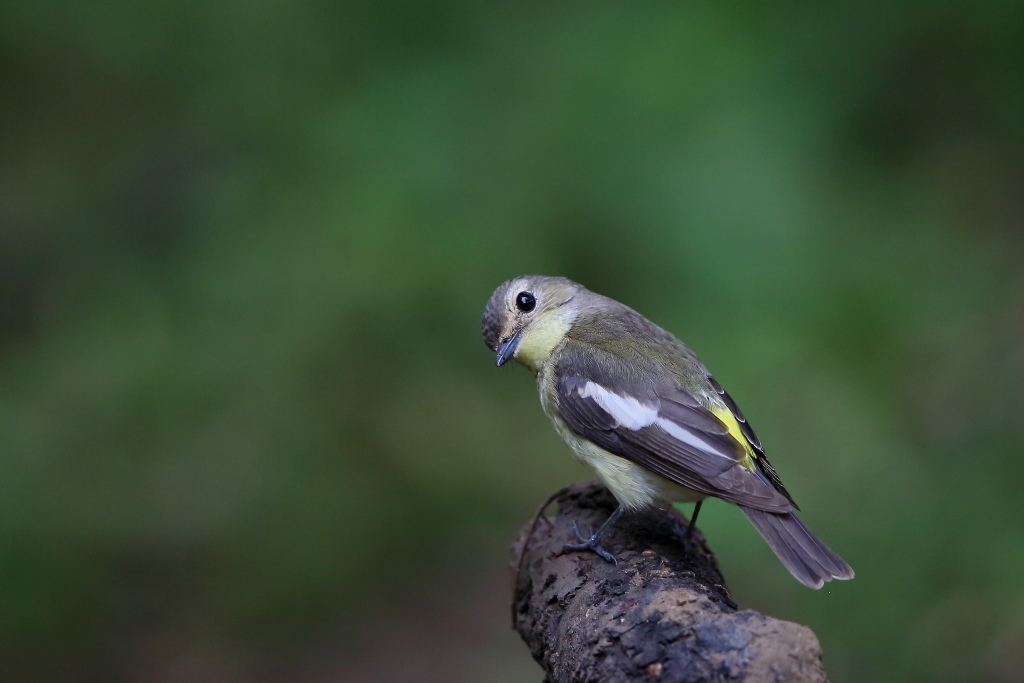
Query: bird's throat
point(537, 341)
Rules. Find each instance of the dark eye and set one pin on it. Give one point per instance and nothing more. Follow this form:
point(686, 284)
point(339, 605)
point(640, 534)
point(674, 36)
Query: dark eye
point(525, 302)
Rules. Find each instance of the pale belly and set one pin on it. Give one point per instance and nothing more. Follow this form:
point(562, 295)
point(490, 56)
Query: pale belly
point(632, 485)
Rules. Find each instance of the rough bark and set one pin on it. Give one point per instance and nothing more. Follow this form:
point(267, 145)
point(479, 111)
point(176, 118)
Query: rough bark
point(663, 613)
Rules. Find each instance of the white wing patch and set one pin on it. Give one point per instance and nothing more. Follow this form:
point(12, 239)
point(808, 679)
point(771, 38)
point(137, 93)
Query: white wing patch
point(632, 414)
point(627, 411)
point(693, 439)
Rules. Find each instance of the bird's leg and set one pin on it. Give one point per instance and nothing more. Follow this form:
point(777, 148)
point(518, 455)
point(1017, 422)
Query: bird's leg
point(686, 535)
point(593, 543)
point(693, 520)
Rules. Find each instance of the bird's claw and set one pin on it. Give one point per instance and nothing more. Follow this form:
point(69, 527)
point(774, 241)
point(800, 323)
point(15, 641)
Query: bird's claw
point(589, 544)
point(579, 536)
point(684, 533)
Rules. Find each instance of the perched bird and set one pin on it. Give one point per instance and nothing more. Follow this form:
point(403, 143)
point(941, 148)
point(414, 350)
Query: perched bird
point(638, 406)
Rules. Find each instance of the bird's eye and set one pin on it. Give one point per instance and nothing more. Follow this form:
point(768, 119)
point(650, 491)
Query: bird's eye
point(525, 302)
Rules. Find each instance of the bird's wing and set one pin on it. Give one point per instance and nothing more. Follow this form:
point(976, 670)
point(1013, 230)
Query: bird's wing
point(748, 433)
point(648, 419)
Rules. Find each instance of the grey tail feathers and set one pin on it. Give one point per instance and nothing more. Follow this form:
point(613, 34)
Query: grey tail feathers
point(806, 557)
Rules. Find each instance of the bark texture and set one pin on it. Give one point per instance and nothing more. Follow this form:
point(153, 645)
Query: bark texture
point(663, 613)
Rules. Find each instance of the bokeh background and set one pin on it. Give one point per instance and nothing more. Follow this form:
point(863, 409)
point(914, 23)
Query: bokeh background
point(249, 430)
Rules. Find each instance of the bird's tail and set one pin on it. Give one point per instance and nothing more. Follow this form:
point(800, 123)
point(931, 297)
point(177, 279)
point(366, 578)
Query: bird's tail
point(806, 557)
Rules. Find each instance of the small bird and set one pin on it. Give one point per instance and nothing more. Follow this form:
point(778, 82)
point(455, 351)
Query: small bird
point(638, 406)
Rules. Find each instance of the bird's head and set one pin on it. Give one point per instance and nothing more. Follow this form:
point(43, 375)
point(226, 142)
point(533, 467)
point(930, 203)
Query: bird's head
point(528, 316)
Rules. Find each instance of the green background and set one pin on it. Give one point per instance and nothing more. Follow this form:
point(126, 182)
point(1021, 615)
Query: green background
point(248, 427)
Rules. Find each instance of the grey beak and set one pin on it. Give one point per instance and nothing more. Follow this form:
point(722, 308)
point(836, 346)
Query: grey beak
point(507, 349)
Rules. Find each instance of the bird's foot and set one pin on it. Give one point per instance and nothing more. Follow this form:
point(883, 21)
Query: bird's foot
point(591, 544)
point(685, 534)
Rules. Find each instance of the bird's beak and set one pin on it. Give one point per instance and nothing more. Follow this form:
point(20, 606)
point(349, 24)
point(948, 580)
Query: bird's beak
point(507, 348)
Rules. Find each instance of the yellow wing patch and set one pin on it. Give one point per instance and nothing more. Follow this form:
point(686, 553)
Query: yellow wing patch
point(735, 431)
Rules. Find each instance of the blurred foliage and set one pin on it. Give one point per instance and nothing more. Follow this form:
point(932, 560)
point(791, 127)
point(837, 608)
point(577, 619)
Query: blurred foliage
point(246, 418)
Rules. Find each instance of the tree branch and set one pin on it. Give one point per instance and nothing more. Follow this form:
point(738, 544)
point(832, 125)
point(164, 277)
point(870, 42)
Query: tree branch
point(663, 613)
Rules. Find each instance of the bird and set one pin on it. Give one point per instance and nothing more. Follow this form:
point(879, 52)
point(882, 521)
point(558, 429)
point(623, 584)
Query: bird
point(640, 408)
